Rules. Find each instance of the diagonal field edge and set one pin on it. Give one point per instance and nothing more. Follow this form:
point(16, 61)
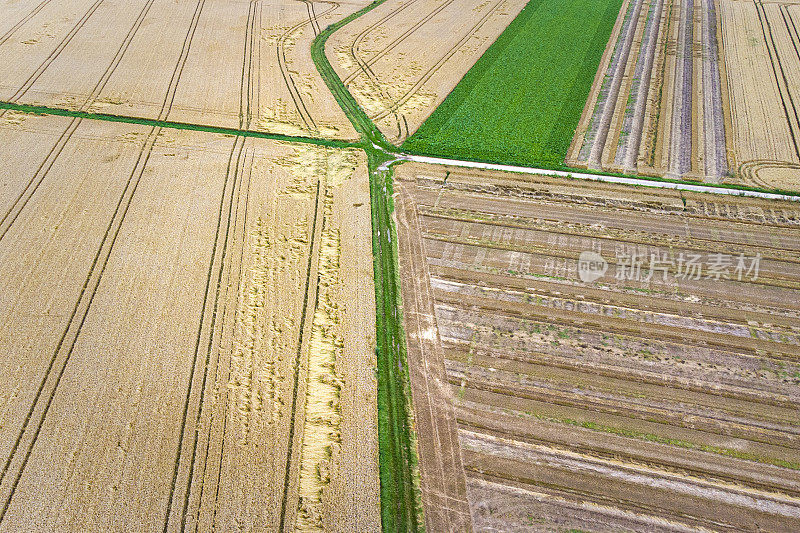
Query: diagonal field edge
point(169, 124)
point(391, 152)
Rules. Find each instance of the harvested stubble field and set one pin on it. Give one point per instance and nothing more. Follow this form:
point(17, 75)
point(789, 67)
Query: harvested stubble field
point(658, 105)
point(704, 90)
point(187, 332)
point(761, 43)
point(402, 59)
point(243, 64)
point(642, 401)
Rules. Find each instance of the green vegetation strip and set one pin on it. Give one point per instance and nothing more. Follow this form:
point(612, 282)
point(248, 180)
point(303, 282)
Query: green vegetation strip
point(401, 506)
point(45, 110)
point(361, 122)
point(521, 102)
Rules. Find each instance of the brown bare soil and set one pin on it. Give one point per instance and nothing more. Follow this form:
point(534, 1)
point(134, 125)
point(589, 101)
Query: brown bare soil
point(444, 494)
point(637, 403)
point(186, 332)
point(243, 64)
point(404, 57)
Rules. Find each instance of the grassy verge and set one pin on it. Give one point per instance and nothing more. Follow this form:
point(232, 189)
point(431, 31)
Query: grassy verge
point(401, 508)
point(521, 102)
point(400, 497)
point(361, 122)
point(45, 110)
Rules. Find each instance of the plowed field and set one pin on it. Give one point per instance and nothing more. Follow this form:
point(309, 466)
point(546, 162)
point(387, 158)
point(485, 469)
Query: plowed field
point(656, 397)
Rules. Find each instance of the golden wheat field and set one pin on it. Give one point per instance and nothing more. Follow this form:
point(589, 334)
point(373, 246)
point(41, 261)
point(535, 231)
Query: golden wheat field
point(763, 72)
point(403, 58)
point(187, 332)
point(240, 64)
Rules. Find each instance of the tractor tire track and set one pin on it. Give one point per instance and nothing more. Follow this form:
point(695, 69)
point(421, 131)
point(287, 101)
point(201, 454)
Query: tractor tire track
point(65, 347)
point(19, 204)
point(304, 334)
point(227, 203)
point(430, 72)
point(176, 74)
point(7, 35)
point(250, 156)
point(369, 29)
point(366, 65)
point(312, 16)
point(22, 200)
point(781, 80)
point(56, 52)
point(297, 98)
point(365, 68)
point(399, 39)
point(247, 90)
point(66, 344)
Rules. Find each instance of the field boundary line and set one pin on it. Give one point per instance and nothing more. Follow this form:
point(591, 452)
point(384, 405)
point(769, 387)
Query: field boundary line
point(665, 183)
point(170, 124)
point(400, 494)
point(750, 192)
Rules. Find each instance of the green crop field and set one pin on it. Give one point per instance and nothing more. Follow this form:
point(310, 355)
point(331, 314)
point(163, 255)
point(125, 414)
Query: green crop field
point(521, 102)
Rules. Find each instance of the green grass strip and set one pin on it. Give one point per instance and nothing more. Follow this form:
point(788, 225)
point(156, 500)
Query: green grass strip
point(401, 504)
point(355, 114)
point(45, 110)
point(522, 100)
point(401, 507)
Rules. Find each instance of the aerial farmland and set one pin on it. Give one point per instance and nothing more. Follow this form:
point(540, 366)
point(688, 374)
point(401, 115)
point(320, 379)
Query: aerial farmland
point(659, 398)
point(401, 265)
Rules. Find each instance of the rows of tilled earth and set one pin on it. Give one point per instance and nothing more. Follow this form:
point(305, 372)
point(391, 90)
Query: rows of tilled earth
point(658, 396)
